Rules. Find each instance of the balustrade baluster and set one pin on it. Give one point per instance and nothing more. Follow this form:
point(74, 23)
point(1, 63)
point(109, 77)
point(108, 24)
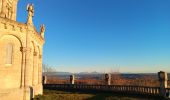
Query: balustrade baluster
point(147, 90)
point(151, 91)
point(154, 91)
point(113, 88)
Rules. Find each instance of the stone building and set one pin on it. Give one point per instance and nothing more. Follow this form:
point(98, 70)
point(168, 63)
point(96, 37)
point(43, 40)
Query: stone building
point(20, 54)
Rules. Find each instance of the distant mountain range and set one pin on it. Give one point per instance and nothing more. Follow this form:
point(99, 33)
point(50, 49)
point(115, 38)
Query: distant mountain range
point(84, 73)
point(99, 74)
point(69, 73)
point(94, 73)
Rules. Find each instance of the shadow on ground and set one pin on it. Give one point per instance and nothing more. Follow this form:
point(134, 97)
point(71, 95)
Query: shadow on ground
point(63, 95)
point(109, 96)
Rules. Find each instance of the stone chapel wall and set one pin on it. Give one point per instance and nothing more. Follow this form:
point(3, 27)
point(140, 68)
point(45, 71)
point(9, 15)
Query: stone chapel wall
point(20, 54)
point(10, 73)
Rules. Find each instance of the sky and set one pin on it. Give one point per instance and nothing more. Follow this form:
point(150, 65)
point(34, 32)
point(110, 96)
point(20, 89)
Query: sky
point(103, 35)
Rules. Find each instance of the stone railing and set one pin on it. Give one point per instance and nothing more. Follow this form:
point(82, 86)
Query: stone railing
point(163, 90)
point(108, 88)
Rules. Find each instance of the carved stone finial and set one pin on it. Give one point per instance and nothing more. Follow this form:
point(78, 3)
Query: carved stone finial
point(42, 30)
point(30, 9)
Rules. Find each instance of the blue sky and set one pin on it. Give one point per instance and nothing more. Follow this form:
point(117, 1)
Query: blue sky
point(104, 35)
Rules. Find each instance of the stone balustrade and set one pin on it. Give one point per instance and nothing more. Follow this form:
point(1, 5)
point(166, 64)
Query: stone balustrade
point(163, 90)
point(109, 88)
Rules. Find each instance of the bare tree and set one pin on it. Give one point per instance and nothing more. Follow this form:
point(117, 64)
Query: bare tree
point(47, 68)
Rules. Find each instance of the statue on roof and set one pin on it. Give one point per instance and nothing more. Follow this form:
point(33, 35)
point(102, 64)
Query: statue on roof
point(42, 30)
point(30, 9)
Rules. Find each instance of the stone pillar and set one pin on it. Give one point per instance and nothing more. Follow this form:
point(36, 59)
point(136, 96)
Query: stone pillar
point(40, 70)
point(40, 74)
point(28, 76)
point(35, 69)
point(72, 78)
point(28, 68)
point(44, 79)
point(23, 50)
point(107, 79)
point(163, 78)
point(29, 57)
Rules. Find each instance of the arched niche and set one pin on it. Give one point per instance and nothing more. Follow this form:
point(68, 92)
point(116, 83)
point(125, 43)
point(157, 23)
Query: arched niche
point(10, 70)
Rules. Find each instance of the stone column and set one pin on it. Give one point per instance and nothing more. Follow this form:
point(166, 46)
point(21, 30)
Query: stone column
point(28, 68)
point(107, 79)
point(28, 71)
point(23, 50)
point(163, 78)
point(72, 78)
point(40, 85)
point(28, 76)
point(35, 69)
point(40, 70)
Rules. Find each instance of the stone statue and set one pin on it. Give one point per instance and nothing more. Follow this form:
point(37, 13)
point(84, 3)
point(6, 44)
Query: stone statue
point(30, 9)
point(42, 30)
point(107, 79)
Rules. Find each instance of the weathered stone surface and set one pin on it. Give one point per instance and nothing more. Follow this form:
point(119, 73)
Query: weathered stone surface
point(21, 62)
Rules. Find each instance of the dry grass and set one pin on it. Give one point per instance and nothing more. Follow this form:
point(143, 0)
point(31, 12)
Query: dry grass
point(61, 95)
